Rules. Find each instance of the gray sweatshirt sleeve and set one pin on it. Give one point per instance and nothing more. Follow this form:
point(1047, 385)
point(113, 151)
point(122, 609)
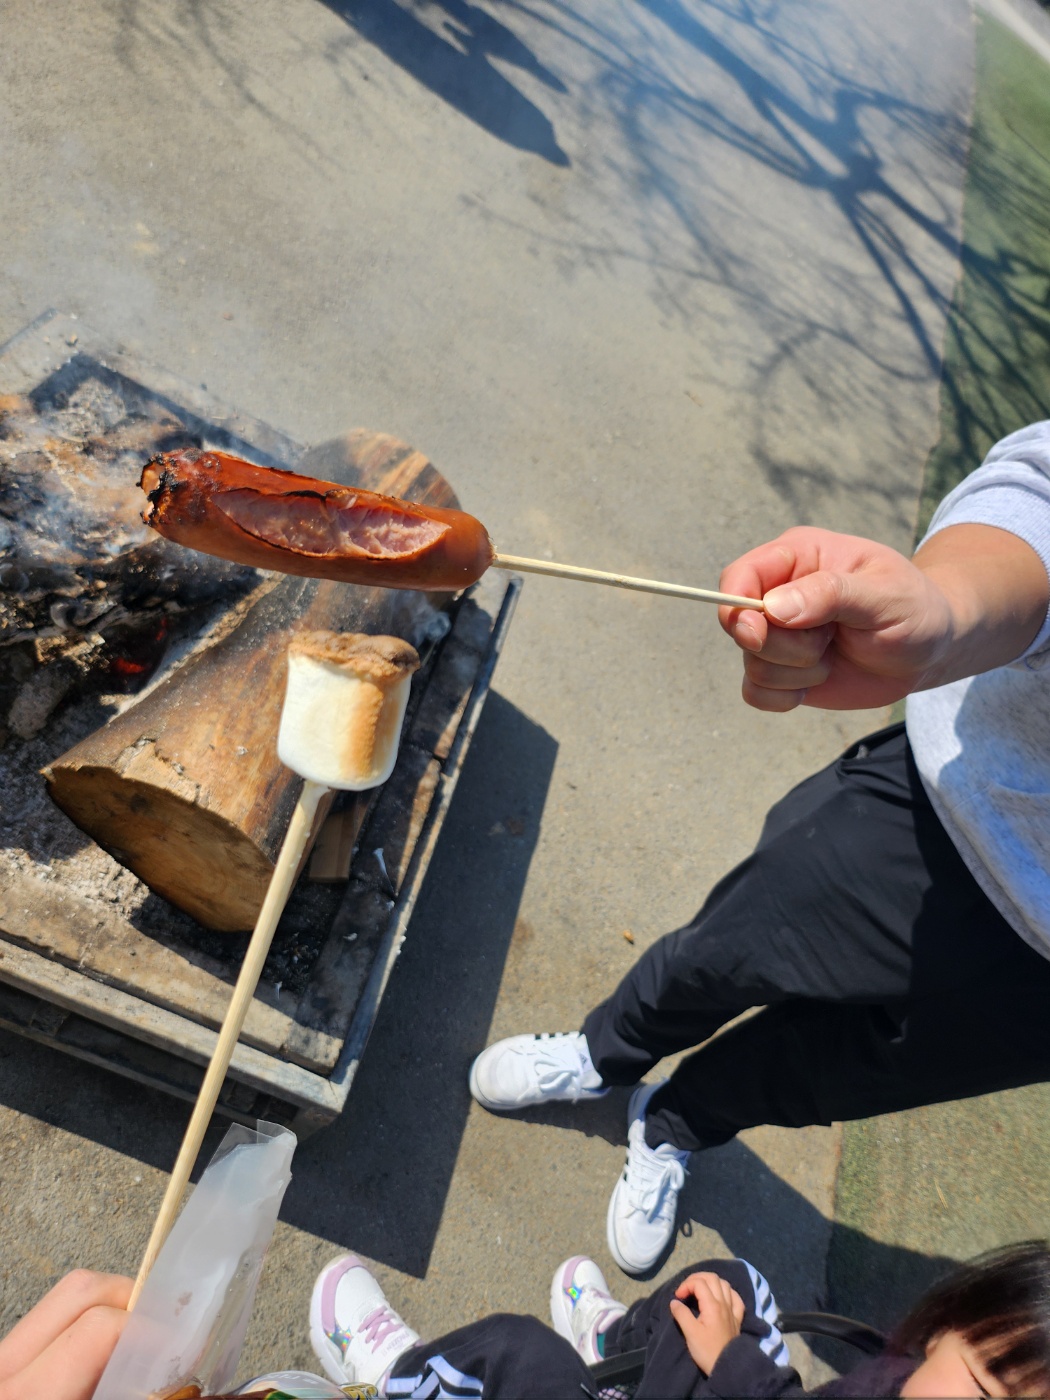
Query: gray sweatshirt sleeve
point(1010, 490)
point(982, 744)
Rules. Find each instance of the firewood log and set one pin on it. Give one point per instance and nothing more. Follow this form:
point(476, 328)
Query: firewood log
point(185, 787)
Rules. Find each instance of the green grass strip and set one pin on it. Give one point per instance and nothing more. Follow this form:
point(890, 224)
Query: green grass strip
point(997, 349)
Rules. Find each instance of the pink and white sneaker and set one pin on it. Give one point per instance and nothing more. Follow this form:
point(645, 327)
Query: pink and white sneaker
point(355, 1333)
point(582, 1306)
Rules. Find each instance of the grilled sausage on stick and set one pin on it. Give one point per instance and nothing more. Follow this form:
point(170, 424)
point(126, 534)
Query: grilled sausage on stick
point(274, 519)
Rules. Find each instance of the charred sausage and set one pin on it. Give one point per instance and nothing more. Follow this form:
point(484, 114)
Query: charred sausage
point(295, 524)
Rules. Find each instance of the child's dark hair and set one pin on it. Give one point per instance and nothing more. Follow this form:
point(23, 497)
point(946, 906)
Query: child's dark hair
point(1000, 1303)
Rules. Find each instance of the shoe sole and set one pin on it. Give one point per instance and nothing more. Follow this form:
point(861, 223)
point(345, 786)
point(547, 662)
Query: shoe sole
point(559, 1311)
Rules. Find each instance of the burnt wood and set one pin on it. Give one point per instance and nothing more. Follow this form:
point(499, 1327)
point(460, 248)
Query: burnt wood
point(185, 787)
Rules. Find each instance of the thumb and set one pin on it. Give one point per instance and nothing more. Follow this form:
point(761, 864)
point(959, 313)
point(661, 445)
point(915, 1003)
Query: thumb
point(822, 597)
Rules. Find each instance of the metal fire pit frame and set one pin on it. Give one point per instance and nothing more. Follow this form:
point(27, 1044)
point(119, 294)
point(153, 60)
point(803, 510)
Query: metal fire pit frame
point(62, 1006)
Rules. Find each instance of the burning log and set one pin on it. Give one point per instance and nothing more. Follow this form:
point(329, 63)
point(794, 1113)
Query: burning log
point(185, 787)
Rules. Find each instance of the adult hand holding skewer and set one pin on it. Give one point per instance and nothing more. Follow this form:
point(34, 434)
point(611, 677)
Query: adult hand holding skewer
point(851, 624)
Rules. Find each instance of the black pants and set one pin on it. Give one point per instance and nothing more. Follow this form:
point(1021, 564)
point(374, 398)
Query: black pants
point(507, 1357)
point(887, 978)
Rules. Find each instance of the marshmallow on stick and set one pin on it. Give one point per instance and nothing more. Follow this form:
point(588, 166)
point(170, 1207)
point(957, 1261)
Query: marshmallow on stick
point(343, 708)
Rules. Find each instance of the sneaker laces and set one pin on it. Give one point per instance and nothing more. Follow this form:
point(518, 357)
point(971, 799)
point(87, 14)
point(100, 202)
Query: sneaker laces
point(557, 1066)
point(378, 1325)
point(650, 1177)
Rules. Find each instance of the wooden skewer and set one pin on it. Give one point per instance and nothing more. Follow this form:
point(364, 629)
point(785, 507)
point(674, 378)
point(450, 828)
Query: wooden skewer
point(642, 585)
point(251, 969)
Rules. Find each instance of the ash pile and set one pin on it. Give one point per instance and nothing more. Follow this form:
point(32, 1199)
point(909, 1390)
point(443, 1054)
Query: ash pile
point(91, 601)
point(94, 608)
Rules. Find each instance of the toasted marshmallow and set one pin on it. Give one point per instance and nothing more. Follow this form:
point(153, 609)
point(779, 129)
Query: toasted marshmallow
point(344, 706)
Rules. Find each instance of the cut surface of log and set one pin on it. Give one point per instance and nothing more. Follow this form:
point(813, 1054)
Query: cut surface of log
point(185, 787)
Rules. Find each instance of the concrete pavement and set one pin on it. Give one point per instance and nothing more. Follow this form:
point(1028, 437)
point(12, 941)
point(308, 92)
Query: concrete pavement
point(650, 284)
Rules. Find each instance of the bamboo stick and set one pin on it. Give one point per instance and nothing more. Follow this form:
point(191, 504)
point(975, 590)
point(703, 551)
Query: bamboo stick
point(277, 894)
point(641, 585)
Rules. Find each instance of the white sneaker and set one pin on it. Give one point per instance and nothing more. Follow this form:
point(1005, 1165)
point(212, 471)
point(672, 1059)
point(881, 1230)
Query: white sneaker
point(582, 1306)
point(355, 1333)
point(644, 1204)
point(530, 1069)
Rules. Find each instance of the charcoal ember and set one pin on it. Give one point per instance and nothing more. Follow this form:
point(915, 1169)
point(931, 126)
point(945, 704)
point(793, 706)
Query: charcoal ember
point(87, 592)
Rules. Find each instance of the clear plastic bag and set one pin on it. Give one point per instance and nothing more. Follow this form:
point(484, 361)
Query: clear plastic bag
point(189, 1323)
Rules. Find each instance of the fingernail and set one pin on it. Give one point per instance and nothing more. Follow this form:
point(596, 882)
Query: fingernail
point(784, 604)
point(746, 637)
